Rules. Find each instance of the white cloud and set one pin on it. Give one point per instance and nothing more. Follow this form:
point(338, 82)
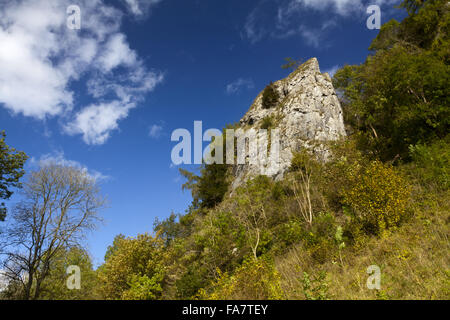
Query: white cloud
point(293, 17)
point(29, 83)
point(155, 131)
point(236, 86)
point(341, 7)
point(252, 30)
point(40, 59)
point(96, 122)
point(58, 158)
point(332, 71)
point(127, 86)
point(311, 37)
point(117, 52)
point(140, 7)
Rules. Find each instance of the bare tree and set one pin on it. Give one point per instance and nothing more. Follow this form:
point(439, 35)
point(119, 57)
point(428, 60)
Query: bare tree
point(304, 197)
point(306, 169)
point(60, 204)
point(251, 212)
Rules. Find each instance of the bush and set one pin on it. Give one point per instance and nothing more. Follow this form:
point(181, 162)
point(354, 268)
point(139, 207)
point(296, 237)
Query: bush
point(302, 161)
point(267, 122)
point(191, 282)
point(253, 280)
point(433, 162)
point(315, 288)
point(134, 268)
point(290, 232)
point(321, 240)
point(222, 241)
point(270, 96)
point(323, 251)
point(377, 196)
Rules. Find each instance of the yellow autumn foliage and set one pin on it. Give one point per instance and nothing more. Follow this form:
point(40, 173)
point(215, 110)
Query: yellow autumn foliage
point(253, 280)
point(133, 269)
point(377, 195)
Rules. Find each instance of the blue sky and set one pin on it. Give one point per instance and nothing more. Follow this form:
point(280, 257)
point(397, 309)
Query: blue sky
point(108, 96)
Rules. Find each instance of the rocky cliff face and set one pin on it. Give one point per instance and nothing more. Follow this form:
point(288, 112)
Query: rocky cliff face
point(307, 114)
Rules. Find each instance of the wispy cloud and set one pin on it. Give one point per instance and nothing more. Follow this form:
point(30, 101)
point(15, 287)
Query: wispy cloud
point(155, 131)
point(340, 7)
point(343, 8)
point(96, 122)
point(40, 59)
point(58, 158)
point(239, 84)
point(140, 7)
point(332, 71)
point(293, 17)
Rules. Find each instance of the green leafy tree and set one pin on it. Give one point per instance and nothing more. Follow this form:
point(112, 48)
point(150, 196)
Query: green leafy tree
point(209, 188)
point(54, 287)
point(170, 229)
point(11, 170)
point(399, 96)
point(432, 163)
point(268, 122)
point(412, 5)
point(134, 268)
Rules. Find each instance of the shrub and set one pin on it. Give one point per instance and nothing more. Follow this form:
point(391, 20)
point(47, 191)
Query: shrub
point(134, 268)
point(143, 287)
point(315, 288)
point(353, 234)
point(191, 281)
point(325, 225)
point(377, 196)
point(255, 279)
point(290, 232)
point(433, 162)
point(322, 251)
point(222, 241)
point(270, 96)
point(267, 122)
point(320, 241)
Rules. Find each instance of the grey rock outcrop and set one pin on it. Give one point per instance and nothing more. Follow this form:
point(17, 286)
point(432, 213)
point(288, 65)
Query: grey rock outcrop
point(307, 115)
